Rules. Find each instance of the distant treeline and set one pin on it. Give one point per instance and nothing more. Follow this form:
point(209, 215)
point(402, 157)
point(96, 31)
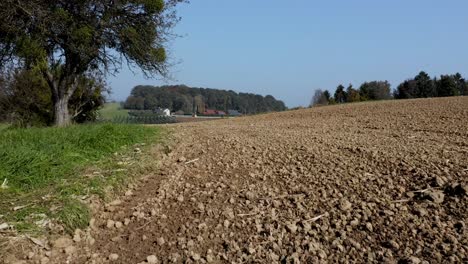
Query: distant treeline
point(181, 98)
point(421, 86)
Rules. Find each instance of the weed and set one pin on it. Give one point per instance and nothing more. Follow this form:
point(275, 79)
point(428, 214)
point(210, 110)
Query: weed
point(73, 215)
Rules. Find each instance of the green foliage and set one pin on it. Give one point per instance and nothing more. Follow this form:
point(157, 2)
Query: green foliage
point(425, 86)
point(446, 86)
point(340, 95)
point(27, 102)
point(30, 49)
point(422, 86)
point(352, 94)
point(83, 35)
point(64, 40)
point(27, 99)
point(406, 90)
point(158, 54)
point(186, 99)
point(320, 98)
point(327, 95)
point(153, 6)
point(375, 90)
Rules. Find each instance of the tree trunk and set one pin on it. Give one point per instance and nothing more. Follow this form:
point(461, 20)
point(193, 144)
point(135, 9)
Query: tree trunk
point(61, 113)
point(62, 88)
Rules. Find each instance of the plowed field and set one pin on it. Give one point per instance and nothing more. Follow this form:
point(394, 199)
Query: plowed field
point(368, 182)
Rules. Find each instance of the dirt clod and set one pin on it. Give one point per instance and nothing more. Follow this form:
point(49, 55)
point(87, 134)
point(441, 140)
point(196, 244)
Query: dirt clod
point(113, 257)
point(62, 242)
point(161, 241)
point(152, 259)
point(70, 250)
point(110, 223)
point(436, 196)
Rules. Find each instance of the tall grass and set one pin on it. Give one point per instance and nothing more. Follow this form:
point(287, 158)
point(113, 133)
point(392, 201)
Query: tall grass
point(40, 162)
point(37, 157)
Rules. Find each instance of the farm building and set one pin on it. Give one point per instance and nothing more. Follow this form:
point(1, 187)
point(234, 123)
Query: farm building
point(162, 111)
point(210, 112)
point(234, 112)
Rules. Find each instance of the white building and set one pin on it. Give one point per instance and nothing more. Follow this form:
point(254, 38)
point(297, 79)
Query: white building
point(163, 112)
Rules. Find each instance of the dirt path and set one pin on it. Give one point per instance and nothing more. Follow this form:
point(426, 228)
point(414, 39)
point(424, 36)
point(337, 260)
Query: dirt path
point(372, 182)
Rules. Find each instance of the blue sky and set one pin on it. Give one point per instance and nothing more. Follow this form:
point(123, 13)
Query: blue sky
point(290, 48)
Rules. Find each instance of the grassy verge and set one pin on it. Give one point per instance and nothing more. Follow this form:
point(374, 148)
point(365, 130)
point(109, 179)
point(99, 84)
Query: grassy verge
point(3, 126)
point(111, 111)
point(49, 171)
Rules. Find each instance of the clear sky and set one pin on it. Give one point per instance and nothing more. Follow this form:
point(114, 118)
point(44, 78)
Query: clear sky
point(290, 48)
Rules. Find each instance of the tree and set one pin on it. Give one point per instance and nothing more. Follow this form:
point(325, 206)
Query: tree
point(406, 90)
point(462, 86)
point(88, 98)
point(195, 100)
point(64, 39)
point(320, 98)
point(375, 90)
point(425, 86)
point(151, 103)
point(327, 95)
point(446, 86)
point(422, 86)
point(26, 99)
point(340, 95)
point(352, 94)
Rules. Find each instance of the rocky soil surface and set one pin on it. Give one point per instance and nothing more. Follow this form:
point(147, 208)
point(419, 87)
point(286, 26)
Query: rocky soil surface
point(368, 182)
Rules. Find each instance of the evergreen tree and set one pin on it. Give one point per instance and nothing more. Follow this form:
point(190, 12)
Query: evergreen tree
point(425, 86)
point(461, 83)
point(340, 95)
point(447, 86)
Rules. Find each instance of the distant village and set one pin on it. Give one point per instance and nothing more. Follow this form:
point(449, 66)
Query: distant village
point(205, 112)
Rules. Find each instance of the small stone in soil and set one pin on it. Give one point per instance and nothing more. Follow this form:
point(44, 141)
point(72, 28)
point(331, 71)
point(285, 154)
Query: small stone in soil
point(113, 256)
point(152, 259)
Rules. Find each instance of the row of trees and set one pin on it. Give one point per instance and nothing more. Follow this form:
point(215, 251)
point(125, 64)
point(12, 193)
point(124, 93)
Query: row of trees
point(421, 86)
point(188, 100)
point(375, 90)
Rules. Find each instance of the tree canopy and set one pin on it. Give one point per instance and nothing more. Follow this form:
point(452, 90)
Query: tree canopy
point(340, 94)
point(421, 86)
point(64, 39)
point(189, 100)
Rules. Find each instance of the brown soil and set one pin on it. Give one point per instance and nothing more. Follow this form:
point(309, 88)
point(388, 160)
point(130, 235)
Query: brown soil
point(367, 182)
